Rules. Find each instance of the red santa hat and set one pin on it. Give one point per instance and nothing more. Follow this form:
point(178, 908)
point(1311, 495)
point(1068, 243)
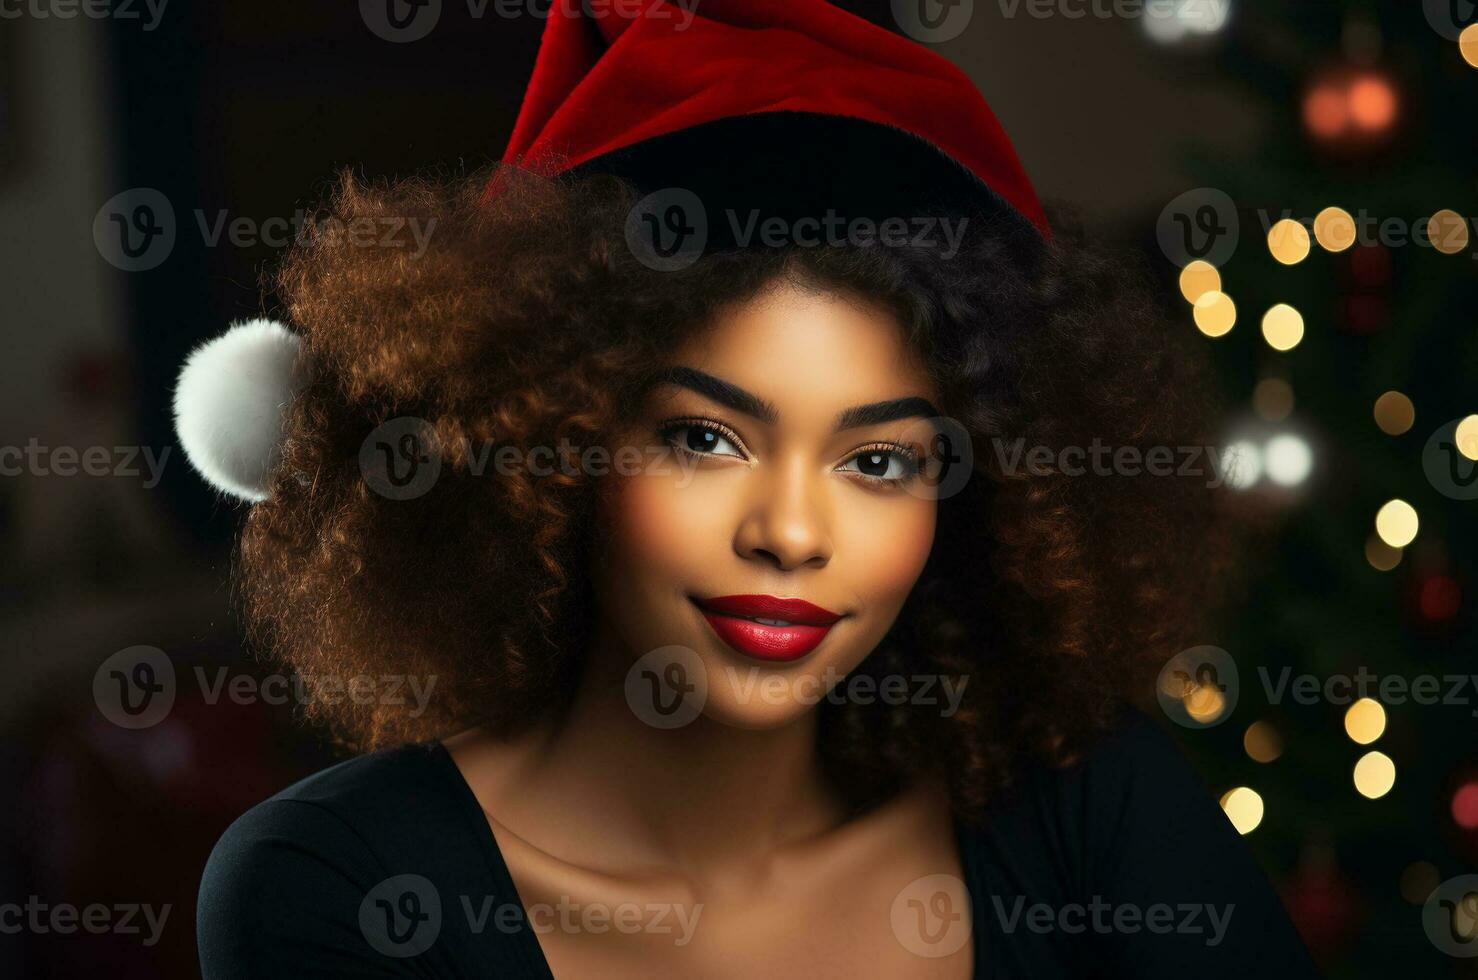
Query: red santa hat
point(783, 109)
point(790, 106)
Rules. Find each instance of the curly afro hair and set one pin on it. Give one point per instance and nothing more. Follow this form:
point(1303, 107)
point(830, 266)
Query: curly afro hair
point(528, 320)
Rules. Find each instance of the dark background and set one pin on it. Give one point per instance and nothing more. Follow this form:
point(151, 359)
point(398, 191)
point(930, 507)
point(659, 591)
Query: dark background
point(249, 108)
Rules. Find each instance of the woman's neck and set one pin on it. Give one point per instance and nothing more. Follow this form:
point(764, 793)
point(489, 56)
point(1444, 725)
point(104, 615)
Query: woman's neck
point(698, 800)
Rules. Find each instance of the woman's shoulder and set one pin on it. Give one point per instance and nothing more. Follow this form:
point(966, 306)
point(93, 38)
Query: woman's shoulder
point(348, 870)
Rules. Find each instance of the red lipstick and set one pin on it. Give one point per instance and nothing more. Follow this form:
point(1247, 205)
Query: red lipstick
point(767, 627)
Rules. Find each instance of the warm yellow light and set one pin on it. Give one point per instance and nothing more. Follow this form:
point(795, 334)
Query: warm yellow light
point(1273, 399)
point(1335, 229)
point(1467, 43)
point(1283, 327)
point(1215, 313)
point(1382, 557)
point(1262, 742)
point(1288, 240)
point(1205, 703)
point(1197, 279)
point(1448, 231)
point(1375, 774)
point(1243, 808)
point(1397, 523)
point(1365, 721)
point(1466, 437)
point(1394, 413)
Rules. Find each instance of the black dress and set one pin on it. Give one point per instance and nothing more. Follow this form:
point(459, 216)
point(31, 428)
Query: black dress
point(384, 866)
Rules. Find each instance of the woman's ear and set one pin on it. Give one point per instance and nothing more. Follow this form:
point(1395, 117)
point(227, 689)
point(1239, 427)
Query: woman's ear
point(229, 404)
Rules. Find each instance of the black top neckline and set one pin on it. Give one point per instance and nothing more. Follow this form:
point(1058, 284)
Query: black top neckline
point(526, 942)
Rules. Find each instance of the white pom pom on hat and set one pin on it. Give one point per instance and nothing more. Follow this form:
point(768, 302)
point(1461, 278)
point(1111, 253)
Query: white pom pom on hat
point(229, 404)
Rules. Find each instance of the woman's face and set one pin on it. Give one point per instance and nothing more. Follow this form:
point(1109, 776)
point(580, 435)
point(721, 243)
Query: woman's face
point(790, 432)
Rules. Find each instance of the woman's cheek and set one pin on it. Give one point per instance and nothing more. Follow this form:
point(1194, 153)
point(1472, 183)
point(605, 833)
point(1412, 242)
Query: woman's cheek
point(885, 542)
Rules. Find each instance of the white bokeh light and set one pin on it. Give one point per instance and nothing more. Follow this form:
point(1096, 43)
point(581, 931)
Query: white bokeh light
point(1288, 460)
point(1170, 23)
point(1243, 462)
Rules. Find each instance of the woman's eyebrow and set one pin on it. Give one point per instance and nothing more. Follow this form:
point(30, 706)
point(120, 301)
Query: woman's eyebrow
point(732, 396)
point(724, 392)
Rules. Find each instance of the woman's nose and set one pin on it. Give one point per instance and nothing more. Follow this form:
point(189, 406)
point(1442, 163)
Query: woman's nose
point(786, 523)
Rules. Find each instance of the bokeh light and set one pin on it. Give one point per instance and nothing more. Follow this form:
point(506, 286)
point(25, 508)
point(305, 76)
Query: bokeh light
point(1394, 413)
point(1396, 523)
point(1334, 229)
point(1288, 460)
point(1262, 742)
point(1243, 807)
point(1288, 240)
point(1382, 557)
point(1375, 774)
point(1283, 327)
point(1197, 279)
point(1365, 721)
point(1448, 231)
point(1273, 399)
point(1215, 313)
point(1466, 437)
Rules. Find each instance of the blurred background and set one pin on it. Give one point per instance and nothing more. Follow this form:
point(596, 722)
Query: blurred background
point(1300, 176)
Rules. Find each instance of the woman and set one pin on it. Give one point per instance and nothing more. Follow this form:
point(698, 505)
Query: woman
point(708, 470)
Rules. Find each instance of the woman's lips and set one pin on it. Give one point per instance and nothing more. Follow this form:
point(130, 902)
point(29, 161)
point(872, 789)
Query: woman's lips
point(767, 627)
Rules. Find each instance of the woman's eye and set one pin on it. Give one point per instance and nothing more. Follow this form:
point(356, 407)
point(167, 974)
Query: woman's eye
point(890, 465)
point(701, 439)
